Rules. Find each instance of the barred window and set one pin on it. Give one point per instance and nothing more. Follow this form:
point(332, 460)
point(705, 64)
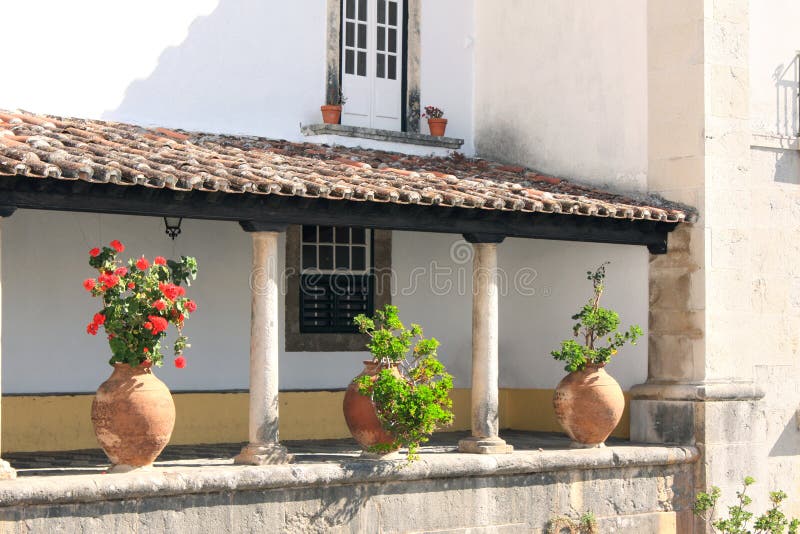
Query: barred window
point(336, 280)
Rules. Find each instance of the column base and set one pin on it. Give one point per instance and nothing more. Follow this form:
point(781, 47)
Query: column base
point(478, 445)
point(6, 471)
point(263, 454)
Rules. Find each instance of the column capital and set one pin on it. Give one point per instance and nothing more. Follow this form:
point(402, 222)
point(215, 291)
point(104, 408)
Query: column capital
point(484, 238)
point(263, 226)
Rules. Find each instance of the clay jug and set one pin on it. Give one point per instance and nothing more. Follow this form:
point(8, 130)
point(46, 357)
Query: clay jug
point(133, 416)
point(589, 405)
point(361, 414)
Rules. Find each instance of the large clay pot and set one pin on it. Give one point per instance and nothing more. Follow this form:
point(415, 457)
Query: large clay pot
point(437, 127)
point(133, 416)
point(331, 114)
point(361, 414)
point(589, 405)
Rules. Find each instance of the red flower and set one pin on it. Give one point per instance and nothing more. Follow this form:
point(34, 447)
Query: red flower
point(158, 324)
point(146, 350)
point(108, 280)
point(121, 271)
point(89, 284)
point(191, 306)
point(180, 362)
point(99, 319)
point(148, 325)
point(111, 336)
point(94, 252)
point(159, 260)
point(92, 328)
point(142, 263)
point(159, 305)
point(131, 285)
point(171, 291)
point(116, 245)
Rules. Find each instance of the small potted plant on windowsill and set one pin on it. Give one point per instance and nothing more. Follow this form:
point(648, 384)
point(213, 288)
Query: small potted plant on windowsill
point(332, 110)
point(436, 123)
point(133, 412)
point(588, 402)
point(402, 395)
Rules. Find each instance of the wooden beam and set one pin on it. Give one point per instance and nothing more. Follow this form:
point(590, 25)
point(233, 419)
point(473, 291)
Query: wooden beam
point(48, 194)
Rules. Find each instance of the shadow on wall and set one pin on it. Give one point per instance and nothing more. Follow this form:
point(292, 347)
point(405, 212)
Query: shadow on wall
point(787, 78)
point(787, 166)
point(249, 67)
point(788, 443)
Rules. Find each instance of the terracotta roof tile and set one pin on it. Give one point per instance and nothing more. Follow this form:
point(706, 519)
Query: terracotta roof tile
point(39, 146)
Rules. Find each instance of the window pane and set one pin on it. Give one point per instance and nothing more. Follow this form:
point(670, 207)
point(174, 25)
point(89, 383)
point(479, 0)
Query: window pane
point(326, 257)
point(326, 234)
point(349, 62)
point(381, 11)
point(392, 67)
point(381, 38)
point(393, 13)
point(362, 9)
point(359, 236)
point(359, 259)
point(309, 256)
point(342, 234)
point(380, 65)
point(362, 36)
point(351, 9)
point(362, 64)
point(342, 257)
point(350, 34)
point(309, 234)
point(392, 40)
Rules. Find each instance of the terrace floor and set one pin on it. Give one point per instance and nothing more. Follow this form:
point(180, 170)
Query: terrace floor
point(94, 461)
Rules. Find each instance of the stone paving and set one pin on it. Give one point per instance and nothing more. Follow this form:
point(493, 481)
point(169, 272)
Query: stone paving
point(93, 461)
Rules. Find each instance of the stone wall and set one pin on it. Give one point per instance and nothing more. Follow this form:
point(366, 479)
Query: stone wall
point(629, 489)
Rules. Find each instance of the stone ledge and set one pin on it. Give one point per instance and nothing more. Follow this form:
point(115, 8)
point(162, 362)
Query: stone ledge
point(704, 391)
point(382, 135)
point(174, 481)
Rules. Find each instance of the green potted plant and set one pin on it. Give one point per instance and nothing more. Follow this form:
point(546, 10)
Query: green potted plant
point(332, 110)
point(588, 402)
point(133, 412)
point(402, 395)
point(437, 124)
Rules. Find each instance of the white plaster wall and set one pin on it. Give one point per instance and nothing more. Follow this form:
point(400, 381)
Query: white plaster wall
point(234, 66)
point(45, 308)
point(774, 69)
point(447, 65)
point(562, 87)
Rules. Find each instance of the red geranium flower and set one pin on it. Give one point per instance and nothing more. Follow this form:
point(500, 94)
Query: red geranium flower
point(116, 245)
point(89, 284)
point(94, 252)
point(108, 280)
point(190, 306)
point(159, 324)
point(92, 328)
point(121, 271)
point(171, 291)
point(159, 260)
point(99, 319)
point(159, 305)
point(148, 325)
point(131, 285)
point(180, 362)
point(145, 349)
point(142, 263)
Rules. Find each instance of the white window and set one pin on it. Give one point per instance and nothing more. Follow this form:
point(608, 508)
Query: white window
point(372, 54)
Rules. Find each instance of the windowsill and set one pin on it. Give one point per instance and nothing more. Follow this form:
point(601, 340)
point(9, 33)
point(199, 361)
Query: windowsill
point(383, 135)
point(783, 142)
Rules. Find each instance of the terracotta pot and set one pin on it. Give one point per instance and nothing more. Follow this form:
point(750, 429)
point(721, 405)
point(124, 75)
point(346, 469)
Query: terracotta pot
point(361, 414)
point(437, 126)
point(331, 114)
point(589, 405)
point(133, 416)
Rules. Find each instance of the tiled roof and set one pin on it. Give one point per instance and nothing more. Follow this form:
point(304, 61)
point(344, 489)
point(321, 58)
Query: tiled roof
point(39, 146)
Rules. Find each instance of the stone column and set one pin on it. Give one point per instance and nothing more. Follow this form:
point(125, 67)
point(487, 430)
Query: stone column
point(485, 384)
point(6, 471)
point(263, 447)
